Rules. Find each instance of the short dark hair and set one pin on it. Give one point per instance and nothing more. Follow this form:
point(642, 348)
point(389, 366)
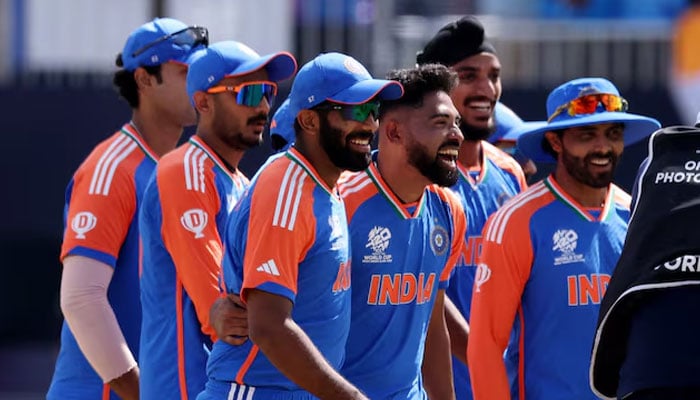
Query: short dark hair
point(417, 82)
point(125, 84)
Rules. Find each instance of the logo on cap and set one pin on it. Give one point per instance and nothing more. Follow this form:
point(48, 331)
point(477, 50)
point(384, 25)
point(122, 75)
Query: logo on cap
point(353, 66)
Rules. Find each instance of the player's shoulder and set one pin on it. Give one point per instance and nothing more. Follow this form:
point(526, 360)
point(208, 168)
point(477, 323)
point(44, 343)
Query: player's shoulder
point(523, 206)
point(115, 159)
point(621, 198)
point(188, 167)
point(447, 195)
point(501, 159)
point(352, 184)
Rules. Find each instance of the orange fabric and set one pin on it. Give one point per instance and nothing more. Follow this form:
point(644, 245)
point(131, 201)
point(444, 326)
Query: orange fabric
point(460, 228)
point(362, 187)
point(103, 198)
point(686, 57)
point(196, 253)
point(105, 392)
point(505, 162)
point(247, 363)
point(504, 269)
point(281, 227)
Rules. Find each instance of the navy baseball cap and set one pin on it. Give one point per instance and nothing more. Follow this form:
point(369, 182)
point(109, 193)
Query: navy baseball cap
point(637, 127)
point(160, 41)
point(229, 59)
point(338, 78)
point(282, 125)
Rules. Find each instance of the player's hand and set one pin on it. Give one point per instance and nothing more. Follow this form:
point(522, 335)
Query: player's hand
point(229, 318)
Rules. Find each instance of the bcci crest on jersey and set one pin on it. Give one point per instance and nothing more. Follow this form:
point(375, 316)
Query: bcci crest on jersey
point(378, 240)
point(439, 240)
point(565, 241)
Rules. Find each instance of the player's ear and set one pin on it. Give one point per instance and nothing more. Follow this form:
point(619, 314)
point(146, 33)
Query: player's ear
point(202, 102)
point(142, 78)
point(554, 141)
point(392, 129)
point(309, 121)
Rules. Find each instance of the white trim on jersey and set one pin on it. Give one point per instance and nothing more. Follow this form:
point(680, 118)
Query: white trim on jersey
point(107, 165)
point(289, 197)
point(240, 392)
point(194, 169)
point(356, 184)
point(498, 227)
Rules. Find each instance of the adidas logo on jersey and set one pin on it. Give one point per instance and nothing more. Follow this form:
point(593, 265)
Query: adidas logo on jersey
point(269, 267)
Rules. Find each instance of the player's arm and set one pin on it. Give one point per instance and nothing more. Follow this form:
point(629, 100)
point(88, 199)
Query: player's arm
point(229, 318)
point(458, 329)
point(504, 267)
point(291, 351)
point(91, 319)
point(437, 362)
point(97, 221)
point(191, 236)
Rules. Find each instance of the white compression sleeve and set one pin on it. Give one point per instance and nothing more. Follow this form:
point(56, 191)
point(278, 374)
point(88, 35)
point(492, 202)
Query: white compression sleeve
point(91, 319)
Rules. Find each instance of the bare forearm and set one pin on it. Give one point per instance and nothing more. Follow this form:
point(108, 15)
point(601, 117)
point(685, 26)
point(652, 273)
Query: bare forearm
point(459, 331)
point(300, 361)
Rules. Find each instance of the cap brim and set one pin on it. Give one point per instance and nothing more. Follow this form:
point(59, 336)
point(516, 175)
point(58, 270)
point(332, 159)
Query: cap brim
point(515, 132)
point(279, 66)
point(189, 57)
point(363, 91)
point(529, 136)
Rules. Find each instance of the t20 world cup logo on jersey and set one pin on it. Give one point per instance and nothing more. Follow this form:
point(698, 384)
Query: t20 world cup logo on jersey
point(565, 241)
point(378, 241)
point(82, 223)
point(195, 220)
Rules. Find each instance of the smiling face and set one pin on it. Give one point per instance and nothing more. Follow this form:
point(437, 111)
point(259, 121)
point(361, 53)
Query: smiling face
point(239, 126)
point(590, 153)
point(347, 142)
point(477, 93)
point(433, 138)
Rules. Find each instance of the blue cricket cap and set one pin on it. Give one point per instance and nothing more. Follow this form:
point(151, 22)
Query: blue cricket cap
point(229, 59)
point(160, 41)
point(338, 78)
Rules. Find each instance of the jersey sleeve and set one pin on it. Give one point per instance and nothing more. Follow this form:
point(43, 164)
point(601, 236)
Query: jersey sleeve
point(459, 221)
point(503, 270)
point(101, 207)
point(190, 234)
point(281, 230)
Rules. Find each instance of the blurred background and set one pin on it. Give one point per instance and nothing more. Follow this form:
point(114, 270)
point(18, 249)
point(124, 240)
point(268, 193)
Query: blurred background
point(57, 102)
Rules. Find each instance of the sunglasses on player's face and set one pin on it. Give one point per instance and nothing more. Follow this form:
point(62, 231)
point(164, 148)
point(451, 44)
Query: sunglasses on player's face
point(250, 93)
point(588, 104)
point(354, 112)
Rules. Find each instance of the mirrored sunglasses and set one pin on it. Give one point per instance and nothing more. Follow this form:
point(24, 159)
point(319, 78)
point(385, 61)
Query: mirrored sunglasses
point(187, 38)
point(589, 104)
point(250, 93)
point(354, 112)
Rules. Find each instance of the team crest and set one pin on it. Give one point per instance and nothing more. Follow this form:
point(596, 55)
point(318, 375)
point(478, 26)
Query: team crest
point(565, 241)
point(378, 240)
point(439, 240)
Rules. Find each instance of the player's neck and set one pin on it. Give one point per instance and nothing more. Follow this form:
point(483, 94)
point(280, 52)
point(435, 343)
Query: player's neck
point(404, 180)
point(229, 155)
point(470, 154)
point(318, 158)
point(585, 195)
point(160, 133)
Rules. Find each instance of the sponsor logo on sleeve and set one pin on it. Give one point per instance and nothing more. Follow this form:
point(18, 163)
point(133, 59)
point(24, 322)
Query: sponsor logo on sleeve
point(483, 274)
point(195, 220)
point(82, 223)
